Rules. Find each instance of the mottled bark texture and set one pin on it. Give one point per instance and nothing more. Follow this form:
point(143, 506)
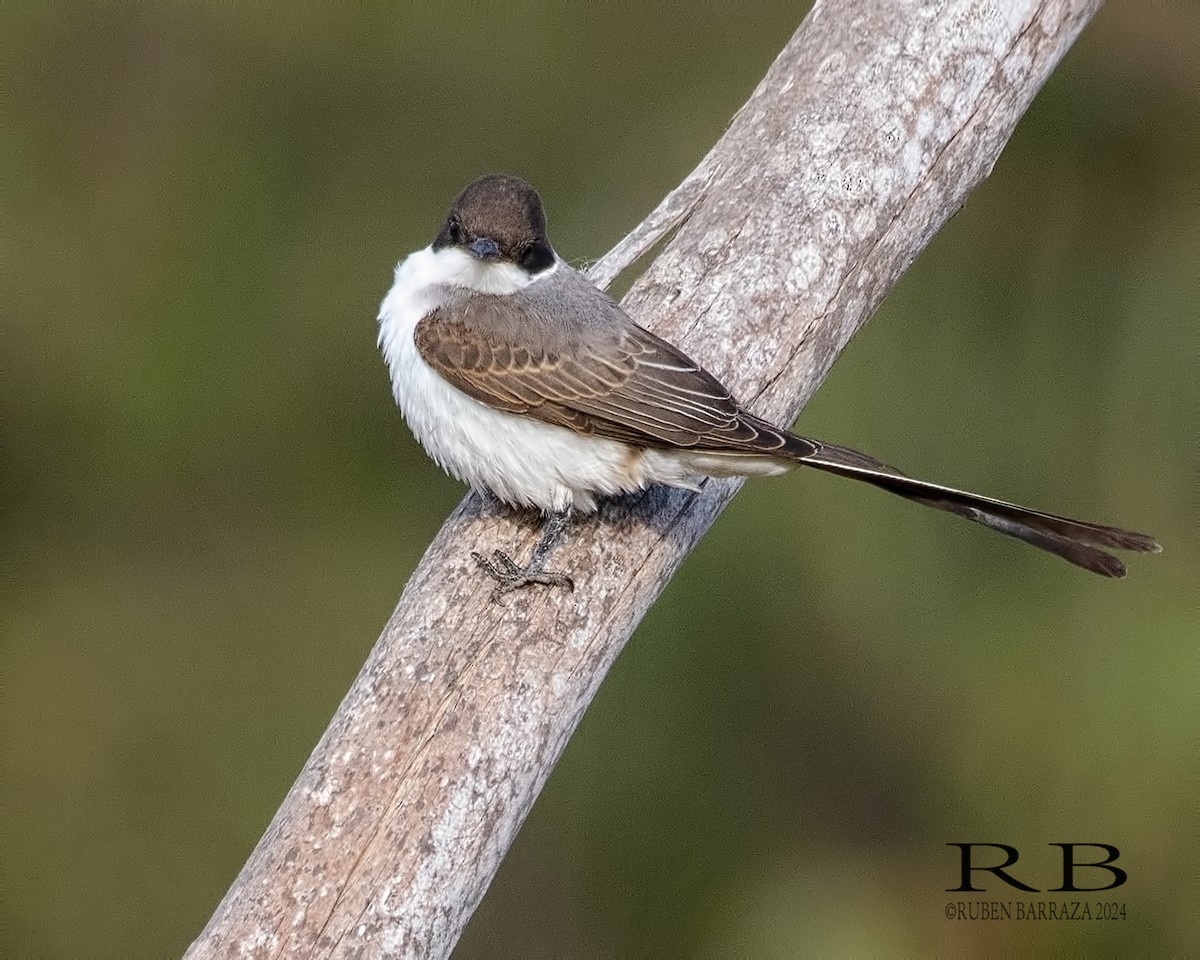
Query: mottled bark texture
point(866, 135)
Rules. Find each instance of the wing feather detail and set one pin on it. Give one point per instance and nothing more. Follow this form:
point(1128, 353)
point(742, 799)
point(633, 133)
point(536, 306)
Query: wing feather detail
point(632, 387)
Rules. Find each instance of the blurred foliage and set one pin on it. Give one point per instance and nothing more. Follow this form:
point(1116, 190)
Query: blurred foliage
point(209, 503)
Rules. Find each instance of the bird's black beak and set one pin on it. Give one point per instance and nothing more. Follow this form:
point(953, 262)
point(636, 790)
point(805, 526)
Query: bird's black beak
point(485, 248)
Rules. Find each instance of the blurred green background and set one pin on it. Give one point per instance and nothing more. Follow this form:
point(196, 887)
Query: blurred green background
point(210, 503)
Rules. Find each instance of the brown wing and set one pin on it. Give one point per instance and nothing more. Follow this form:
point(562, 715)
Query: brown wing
point(632, 386)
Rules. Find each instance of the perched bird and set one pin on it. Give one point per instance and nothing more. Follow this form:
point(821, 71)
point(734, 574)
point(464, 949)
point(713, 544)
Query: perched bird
point(521, 378)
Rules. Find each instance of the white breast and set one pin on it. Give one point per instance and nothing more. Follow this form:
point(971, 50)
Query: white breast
point(520, 460)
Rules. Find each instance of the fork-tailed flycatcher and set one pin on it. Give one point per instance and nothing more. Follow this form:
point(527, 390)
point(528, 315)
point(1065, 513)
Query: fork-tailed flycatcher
point(521, 378)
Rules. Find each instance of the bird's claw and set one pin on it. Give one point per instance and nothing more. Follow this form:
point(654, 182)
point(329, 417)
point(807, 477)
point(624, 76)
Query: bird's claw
point(509, 576)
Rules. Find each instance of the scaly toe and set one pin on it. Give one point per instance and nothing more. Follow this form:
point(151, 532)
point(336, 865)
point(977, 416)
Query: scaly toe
point(509, 576)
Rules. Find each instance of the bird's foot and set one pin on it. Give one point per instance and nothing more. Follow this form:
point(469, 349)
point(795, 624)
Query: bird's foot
point(509, 576)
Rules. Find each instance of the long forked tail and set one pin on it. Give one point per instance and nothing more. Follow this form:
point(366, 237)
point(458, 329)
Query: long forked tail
point(1082, 543)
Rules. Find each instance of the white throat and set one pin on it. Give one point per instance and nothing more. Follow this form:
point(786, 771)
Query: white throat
point(454, 267)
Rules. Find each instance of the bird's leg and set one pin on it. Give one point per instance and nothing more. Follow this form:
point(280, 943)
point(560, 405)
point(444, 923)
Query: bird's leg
point(509, 576)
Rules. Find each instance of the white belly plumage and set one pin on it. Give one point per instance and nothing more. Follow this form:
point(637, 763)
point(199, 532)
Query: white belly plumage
point(522, 461)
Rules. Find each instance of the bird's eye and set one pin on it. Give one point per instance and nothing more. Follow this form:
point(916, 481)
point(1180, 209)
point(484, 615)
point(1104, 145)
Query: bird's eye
point(454, 231)
point(537, 257)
